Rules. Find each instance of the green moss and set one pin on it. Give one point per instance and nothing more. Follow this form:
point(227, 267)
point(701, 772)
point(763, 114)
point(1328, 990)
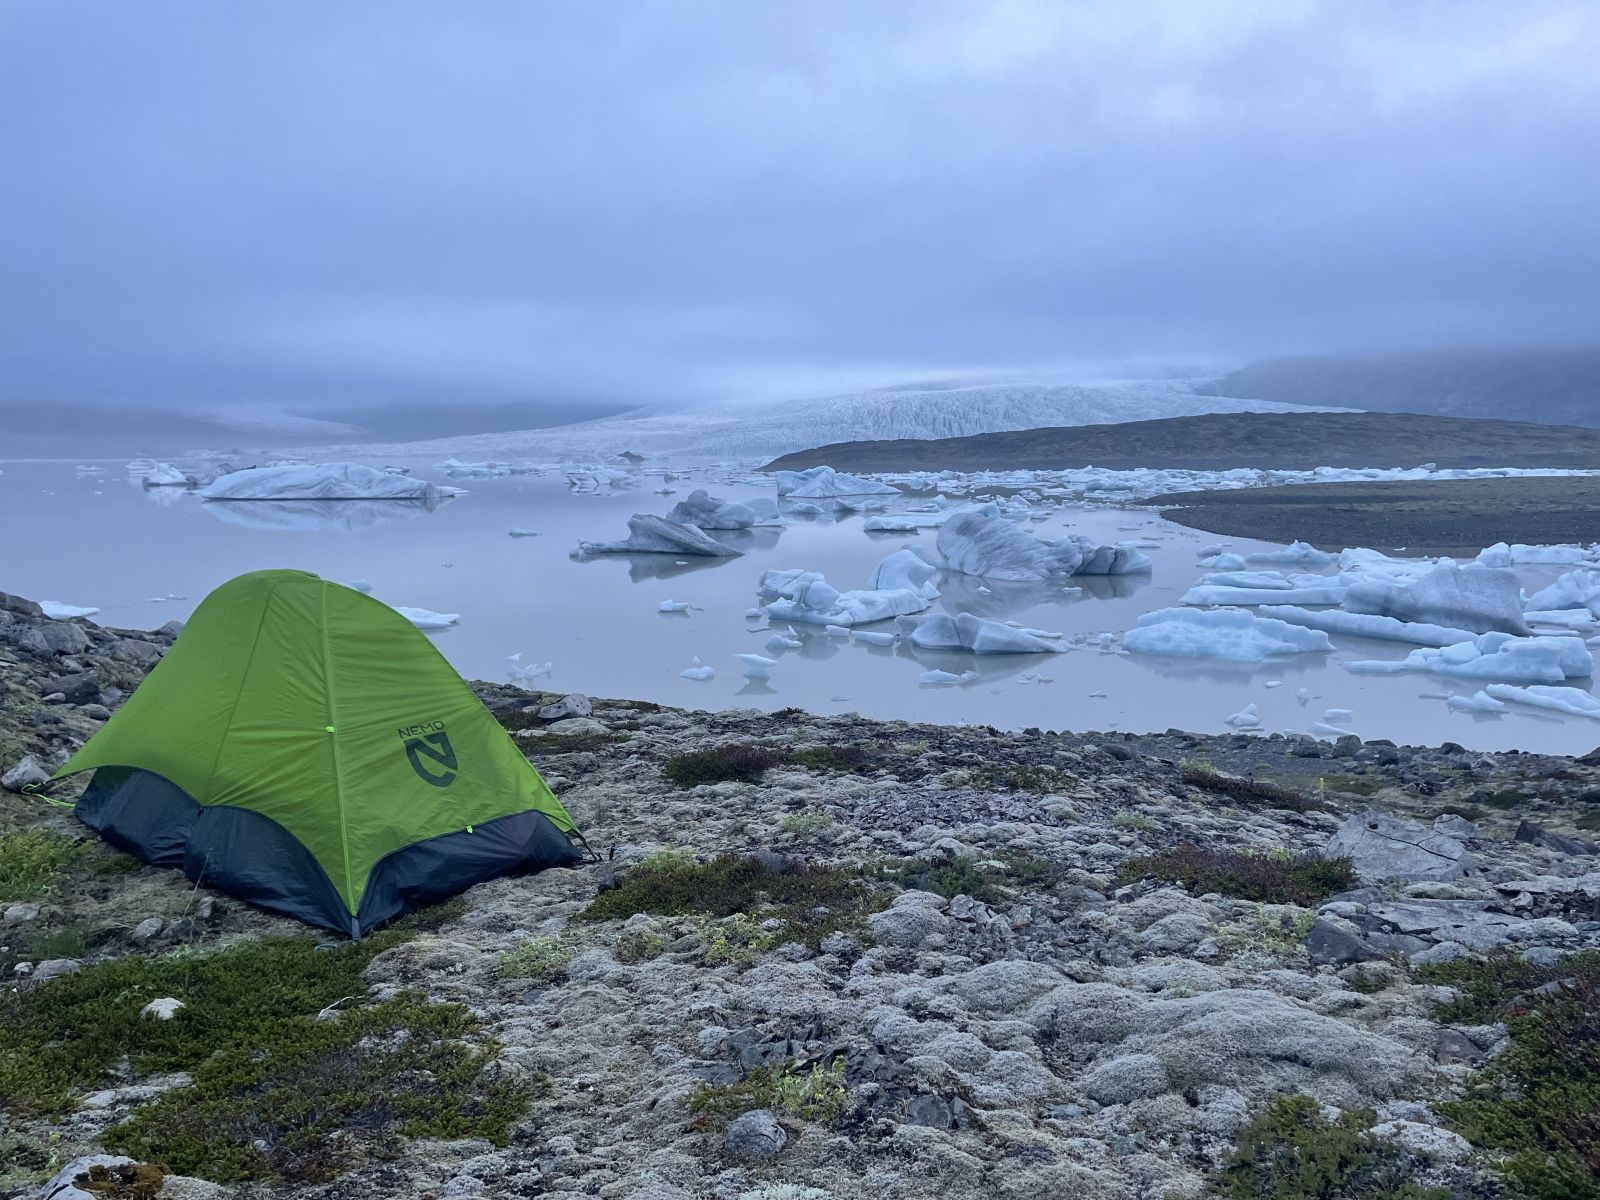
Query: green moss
point(990, 881)
point(1250, 793)
point(1131, 820)
point(1538, 1102)
point(847, 759)
point(543, 958)
point(640, 945)
point(1290, 1151)
point(1589, 821)
point(1304, 879)
point(806, 823)
point(270, 1107)
point(131, 1181)
point(32, 862)
point(737, 763)
point(66, 1035)
point(812, 901)
point(818, 1095)
point(1013, 777)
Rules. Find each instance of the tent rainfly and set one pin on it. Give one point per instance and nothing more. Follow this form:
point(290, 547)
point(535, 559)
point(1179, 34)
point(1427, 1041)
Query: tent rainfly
point(303, 747)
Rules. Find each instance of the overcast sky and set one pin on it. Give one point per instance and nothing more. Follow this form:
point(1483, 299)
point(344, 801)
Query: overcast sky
point(283, 200)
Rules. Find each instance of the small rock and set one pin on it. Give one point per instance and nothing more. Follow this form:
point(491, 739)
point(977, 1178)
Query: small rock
point(81, 687)
point(163, 1009)
point(1427, 1141)
point(95, 712)
point(17, 914)
point(145, 930)
point(755, 1135)
point(1537, 835)
point(1329, 945)
point(1458, 827)
point(930, 1111)
point(54, 968)
point(578, 726)
point(575, 705)
point(26, 773)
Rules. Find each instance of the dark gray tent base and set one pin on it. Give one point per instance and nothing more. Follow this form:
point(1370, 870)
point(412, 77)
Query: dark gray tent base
point(254, 858)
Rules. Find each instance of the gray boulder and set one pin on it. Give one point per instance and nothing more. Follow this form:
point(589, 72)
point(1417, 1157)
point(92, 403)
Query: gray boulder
point(1468, 922)
point(81, 687)
point(575, 705)
point(1330, 946)
point(1537, 835)
point(63, 1186)
point(914, 920)
point(54, 968)
point(1381, 847)
point(755, 1136)
point(55, 637)
point(26, 773)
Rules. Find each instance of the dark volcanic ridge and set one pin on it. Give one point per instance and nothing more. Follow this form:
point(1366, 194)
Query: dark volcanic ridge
point(1225, 441)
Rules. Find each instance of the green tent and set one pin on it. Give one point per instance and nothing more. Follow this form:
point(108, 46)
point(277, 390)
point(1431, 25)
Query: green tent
point(305, 748)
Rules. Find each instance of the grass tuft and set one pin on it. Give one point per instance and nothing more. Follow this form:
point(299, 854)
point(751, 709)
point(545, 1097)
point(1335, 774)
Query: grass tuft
point(816, 1095)
point(1249, 793)
point(1304, 879)
point(32, 862)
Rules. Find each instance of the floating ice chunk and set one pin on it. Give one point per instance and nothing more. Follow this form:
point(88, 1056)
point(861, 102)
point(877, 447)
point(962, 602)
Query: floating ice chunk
point(784, 641)
point(1502, 555)
point(1301, 589)
point(1301, 553)
point(1304, 696)
point(697, 670)
point(1338, 716)
point(1323, 729)
point(1478, 702)
point(1210, 551)
point(523, 674)
point(1579, 620)
point(163, 475)
point(1224, 562)
point(1271, 580)
point(1227, 633)
point(945, 678)
point(1574, 590)
point(905, 522)
point(656, 535)
point(806, 596)
point(1247, 717)
point(838, 631)
point(984, 544)
point(824, 483)
point(1496, 656)
point(905, 569)
point(967, 632)
point(57, 611)
point(322, 481)
point(673, 606)
point(874, 638)
point(426, 619)
point(755, 614)
point(806, 509)
point(705, 511)
point(1273, 683)
point(1480, 599)
point(519, 532)
point(757, 666)
point(1365, 625)
point(1559, 699)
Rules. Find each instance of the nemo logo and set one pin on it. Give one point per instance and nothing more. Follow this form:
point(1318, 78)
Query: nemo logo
point(429, 752)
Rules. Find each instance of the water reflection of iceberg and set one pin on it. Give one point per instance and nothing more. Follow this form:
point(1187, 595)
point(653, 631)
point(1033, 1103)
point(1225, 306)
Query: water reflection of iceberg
point(317, 516)
point(642, 567)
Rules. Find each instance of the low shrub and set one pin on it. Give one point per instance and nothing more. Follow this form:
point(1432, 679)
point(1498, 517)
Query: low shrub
point(813, 901)
point(1249, 793)
point(1304, 879)
point(1290, 1151)
point(1538, 1102)
point(32, 862)
point(1013, 777)
point(818, 1095)
point(990, 881)
point(269, 1108)
point(736, 763)
point(543, 958)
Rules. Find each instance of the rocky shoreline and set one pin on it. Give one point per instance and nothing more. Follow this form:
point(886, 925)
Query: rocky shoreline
point(1028, 976)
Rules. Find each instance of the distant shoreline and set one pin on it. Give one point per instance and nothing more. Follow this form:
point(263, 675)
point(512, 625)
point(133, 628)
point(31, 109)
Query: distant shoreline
point(1439, 516)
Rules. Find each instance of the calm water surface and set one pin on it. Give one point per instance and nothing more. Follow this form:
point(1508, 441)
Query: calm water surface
point(145, 558)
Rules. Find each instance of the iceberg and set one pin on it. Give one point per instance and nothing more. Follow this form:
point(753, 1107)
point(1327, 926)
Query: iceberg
point(1227, 633)
point(873, 638)
point(1296, 589)
point(824, 483)
point(322, 481)
point(161, 475)
point(673, 606)
point(519, 532)
point(1559, 699)
point(905, 522)
point(1482, 599)
point(656, 535)
point(905, 569)
point(426, 619)
point(1223, 562)
point(805, 596)
point(940, 631)
point(1274, 580)
point(1478, 702)
point(698, 671)
point(1299, 554)
point(982, 543)
point(783, 641)
point(57, 611)
point(1248, 717)
point(705, 511)
point(316, 516)
point(1578, 620)
point(945, 678)
point(1368, 626)
point(523, 674)
point(1495, 656)
point(1574, 590)
point(766, 512)
point(757, 666)
point(1502, 555)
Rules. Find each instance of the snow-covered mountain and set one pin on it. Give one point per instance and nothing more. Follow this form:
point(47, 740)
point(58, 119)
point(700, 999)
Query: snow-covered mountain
point(923, 410)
